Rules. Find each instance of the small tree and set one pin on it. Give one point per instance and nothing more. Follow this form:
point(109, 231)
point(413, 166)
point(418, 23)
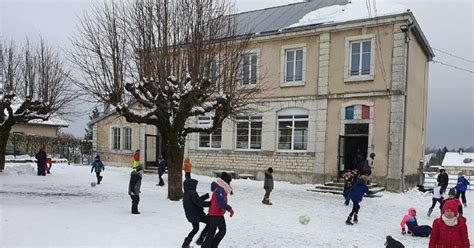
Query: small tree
point(36, 85)
point(164, 63)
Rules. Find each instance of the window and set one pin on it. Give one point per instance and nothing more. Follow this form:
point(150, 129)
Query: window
point(360, 57)
point(249, 133)
point(116, 138)
point(249, 69)
point(213, 72)
point(127, 138)
point(292, 131)
point(209, 140)
point(121, 138)
point(294, 65)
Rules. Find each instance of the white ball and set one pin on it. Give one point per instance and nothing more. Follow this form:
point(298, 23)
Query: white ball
point(93, 184)
point(304, 219)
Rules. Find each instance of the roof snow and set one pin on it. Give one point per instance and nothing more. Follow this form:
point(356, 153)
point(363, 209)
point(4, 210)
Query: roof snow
point(457, 159)
point(52, 121)
point(354, 10)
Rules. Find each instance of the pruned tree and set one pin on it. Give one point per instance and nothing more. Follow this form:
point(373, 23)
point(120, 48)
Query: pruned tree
point(36, 85)
point(165, 63)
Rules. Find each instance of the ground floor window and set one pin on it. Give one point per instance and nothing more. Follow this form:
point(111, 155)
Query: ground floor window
point(293, 132)
point(249, 133)
point(209, 140)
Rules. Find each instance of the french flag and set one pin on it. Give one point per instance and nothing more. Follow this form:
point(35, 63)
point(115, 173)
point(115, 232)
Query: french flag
point(357, 112)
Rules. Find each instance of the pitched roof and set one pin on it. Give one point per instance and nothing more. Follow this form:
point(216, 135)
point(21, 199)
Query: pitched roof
point(279, 17)
point(322, 13)
point(457, 159)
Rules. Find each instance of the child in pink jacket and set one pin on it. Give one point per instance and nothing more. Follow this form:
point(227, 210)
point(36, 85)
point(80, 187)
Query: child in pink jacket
point(410, 221)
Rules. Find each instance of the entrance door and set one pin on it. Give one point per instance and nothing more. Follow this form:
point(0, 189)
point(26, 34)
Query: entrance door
point(152, 150)
point(353, 143)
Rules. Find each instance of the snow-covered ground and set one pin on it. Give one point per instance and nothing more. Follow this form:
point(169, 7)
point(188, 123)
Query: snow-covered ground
point(63, 210)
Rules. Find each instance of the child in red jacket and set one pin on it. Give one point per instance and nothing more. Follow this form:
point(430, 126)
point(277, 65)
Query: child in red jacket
point(450, 230)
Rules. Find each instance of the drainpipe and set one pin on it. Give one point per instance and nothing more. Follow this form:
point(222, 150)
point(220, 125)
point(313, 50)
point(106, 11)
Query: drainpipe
point(405, 29)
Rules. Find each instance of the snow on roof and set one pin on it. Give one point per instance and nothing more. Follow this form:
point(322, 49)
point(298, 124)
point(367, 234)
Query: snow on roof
point(457, 159)
point(354, 10)
point(52, 121)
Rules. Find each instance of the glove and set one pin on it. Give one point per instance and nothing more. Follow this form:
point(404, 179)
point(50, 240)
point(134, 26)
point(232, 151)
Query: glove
point(231, 212)
point(403, 231)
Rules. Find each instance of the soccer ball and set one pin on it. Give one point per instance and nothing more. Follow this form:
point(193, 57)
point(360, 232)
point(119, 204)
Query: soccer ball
point(304, 219)
point(93, 184)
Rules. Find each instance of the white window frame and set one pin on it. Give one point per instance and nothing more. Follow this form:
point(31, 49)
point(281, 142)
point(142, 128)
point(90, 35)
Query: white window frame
point(249, 121)
point(283, 58)
point(250, 85)
point(348, 58)
point(207, 121)
point(293, 112)
point(123, 147)
point(113, 139)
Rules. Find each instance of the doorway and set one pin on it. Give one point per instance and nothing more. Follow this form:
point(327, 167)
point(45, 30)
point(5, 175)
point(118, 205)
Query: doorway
point(152, 150)
point(355, 141)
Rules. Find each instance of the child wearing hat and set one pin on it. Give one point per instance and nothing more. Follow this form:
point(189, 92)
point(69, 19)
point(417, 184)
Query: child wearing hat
point(450, 230)
point(452, 197)
point(461, 188)
point(220, 190)
point(410, 221)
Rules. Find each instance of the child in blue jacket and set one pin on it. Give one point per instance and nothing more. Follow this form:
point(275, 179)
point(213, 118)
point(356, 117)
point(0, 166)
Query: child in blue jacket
point(461, 188)
point(98, 166)
point(356, 193)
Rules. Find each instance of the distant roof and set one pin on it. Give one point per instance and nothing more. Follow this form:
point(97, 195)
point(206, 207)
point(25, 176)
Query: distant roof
point(320, 13)
point(101, 117)
point(457, 159)
point(52, 121)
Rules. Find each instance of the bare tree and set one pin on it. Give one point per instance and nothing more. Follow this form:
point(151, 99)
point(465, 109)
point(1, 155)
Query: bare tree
point(165, 63)
point(36, 85)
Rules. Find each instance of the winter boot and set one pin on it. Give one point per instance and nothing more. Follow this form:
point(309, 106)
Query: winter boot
point(355, 218)
point(200, 240)
point(465, 205)
point(266, 201)
point(186, 243)
point(430, 211)
point(348, 221)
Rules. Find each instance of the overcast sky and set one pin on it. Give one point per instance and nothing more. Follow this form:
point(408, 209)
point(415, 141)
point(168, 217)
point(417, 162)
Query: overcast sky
point(448, 25)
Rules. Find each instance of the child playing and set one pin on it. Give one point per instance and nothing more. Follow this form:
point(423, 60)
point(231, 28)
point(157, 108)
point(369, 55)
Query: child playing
point(98, 166)
point(450, 230)
point(410, 221)
point(356, 193)
point(194, 210)
point(268, 186)
point(436, 198)
point(461, 188)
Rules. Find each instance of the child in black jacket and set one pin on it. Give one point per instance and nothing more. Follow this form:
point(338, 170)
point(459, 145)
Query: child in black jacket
point(194, 209)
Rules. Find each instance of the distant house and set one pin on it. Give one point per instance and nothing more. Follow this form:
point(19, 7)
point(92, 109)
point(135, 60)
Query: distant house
point(49, 128)
point(342, 79)
point(455, 162)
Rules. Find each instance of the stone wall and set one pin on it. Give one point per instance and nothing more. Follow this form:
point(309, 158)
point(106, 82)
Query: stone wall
point(293, 167)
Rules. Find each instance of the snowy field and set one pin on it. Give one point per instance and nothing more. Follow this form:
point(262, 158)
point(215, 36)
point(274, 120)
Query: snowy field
point(63, 210)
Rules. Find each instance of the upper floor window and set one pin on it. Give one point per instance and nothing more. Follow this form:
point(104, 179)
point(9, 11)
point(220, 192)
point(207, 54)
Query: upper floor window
point(360, 57)
point(249, 69)
point(293, 129)
point(209, 140)
point(249, 132)
point(293, 65)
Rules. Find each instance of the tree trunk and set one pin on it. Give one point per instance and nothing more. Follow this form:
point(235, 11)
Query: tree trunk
point(174, 160)
point(4, 134)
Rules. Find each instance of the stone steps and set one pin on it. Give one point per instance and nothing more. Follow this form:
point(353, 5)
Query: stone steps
point(338, 188)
